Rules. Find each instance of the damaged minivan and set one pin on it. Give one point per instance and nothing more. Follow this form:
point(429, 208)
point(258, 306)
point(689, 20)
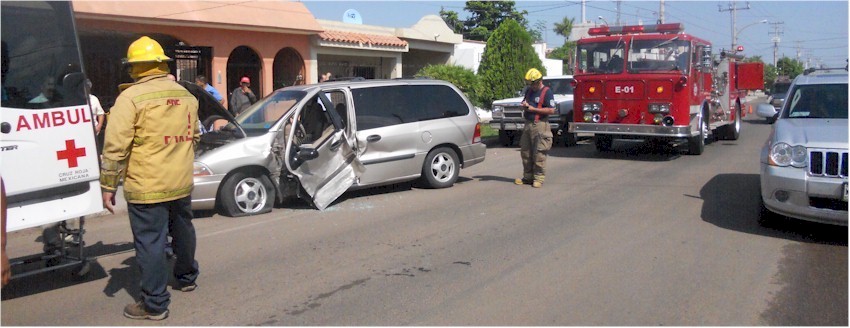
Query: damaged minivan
point(317, 141)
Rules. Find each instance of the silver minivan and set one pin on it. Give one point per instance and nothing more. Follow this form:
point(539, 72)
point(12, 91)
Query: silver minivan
point(317, 141)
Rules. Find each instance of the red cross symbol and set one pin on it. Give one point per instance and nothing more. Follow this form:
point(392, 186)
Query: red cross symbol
point(71, 153)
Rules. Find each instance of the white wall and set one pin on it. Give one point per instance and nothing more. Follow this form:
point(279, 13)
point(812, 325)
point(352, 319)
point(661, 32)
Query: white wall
point(468, 54)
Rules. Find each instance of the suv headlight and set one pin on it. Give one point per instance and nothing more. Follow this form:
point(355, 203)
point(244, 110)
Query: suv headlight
point(783, 154)
point(201, 170)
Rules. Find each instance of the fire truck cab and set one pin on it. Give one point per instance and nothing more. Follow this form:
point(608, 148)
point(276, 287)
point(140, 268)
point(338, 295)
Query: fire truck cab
point(656, 82)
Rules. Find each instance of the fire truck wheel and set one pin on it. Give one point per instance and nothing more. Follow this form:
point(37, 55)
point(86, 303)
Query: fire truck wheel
point(441, 168)
point(603, 142)
point(696, 145)
point(733, 131)
point(245, 193)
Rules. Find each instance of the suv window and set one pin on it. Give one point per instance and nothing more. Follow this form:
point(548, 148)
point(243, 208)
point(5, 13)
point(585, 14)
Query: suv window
point(818, 101)
point(559, 86)
point(385, 106)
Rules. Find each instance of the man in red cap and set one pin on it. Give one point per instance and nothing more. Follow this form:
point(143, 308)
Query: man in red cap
point(242, 97)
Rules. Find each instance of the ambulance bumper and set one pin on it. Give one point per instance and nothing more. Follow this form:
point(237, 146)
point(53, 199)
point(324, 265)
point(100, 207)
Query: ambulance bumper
point(206, 188)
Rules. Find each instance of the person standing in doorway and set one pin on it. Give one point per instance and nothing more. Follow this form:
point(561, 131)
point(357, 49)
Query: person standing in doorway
point(201, 81)
point(150, 140)
point(242, 97)
point(536, 138)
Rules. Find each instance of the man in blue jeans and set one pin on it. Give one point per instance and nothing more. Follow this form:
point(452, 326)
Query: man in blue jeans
point(149, 141)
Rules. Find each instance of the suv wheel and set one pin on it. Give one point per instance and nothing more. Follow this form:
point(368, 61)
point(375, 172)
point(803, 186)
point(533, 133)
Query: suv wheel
point(246, 193)
point(441, 168)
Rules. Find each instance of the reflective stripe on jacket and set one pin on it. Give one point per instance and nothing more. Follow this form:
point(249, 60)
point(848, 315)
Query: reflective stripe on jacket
point(150, 140)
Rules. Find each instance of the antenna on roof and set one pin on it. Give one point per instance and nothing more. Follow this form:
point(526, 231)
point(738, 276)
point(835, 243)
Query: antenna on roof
point(352, 16)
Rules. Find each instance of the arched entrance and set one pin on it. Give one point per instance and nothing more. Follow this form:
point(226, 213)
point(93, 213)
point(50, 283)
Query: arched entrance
point(288, 68)
point(244, 61)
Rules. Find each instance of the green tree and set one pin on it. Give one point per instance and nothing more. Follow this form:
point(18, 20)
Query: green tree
point(462, 77)
point(769, 76)
point(485, 17)
point(789, 67)
point(565, 52)
point(452, 20)
point(507, 56)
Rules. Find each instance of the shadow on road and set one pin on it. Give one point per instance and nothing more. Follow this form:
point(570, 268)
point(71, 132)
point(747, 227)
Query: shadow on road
point(628, 150)
point(63, 277)
point(731, 201)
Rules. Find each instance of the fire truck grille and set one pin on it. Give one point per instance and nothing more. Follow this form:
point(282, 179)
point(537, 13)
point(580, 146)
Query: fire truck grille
point(827, 163)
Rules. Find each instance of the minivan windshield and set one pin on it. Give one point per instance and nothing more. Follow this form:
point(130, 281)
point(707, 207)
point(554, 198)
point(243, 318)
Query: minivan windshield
point(260, 117)
point(818, 101)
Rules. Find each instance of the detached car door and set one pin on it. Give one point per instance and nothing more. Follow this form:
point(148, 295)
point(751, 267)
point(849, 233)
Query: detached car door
point(320, 151)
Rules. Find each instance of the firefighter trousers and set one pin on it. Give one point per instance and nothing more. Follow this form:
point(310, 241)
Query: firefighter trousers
point(534, 145)
point(151, 223)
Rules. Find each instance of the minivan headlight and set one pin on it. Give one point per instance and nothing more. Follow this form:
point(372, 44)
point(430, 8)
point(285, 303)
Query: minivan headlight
point(783, 154)
point(201, 170)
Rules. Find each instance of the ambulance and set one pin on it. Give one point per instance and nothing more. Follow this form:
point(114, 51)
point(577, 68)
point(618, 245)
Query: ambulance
point(48, 156)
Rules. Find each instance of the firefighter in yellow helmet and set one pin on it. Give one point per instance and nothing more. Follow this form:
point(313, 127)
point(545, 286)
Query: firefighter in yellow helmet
point(149, 142)
point(536, 140)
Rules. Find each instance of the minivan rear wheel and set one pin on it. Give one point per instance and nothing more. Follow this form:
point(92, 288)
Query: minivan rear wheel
point(245, 193)
point(441, 168)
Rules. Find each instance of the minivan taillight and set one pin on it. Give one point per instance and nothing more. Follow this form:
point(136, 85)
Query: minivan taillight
point(476, 137)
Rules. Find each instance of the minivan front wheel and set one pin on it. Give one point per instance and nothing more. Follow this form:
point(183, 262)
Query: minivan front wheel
point(441, 168)
point(246, 193)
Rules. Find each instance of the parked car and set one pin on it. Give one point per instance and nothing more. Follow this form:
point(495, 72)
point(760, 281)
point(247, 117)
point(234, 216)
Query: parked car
point(317, 141)
point(776, 98)
point(804, 161)
point(507, 113)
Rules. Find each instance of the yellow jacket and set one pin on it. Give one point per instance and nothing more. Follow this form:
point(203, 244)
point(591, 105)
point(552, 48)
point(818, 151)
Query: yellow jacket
point(150, 140)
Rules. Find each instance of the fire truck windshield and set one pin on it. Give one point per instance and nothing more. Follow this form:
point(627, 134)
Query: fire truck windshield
point(601, 57)
point(659, 56)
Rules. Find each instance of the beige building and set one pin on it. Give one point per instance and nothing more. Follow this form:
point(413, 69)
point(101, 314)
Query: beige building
point(376, 52)
point(278, 44)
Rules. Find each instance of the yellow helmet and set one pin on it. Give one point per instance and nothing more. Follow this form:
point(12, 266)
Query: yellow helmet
point(145, 50)
point(533, 75)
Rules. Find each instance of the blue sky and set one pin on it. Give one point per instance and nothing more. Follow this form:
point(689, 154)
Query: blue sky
point(817, 29)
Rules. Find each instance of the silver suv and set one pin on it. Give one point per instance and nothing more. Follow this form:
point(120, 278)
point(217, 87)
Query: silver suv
point(317, 141)
point(804, 161)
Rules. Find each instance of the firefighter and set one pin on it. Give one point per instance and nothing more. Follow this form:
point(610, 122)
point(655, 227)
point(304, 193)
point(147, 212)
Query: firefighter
point(149, 142)
point(536, 137)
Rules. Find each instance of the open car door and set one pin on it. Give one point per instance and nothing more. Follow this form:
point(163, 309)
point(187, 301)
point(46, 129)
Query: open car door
point(320, 151)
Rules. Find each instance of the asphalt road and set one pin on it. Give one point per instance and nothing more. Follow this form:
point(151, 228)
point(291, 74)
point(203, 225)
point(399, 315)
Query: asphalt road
point(638, 236)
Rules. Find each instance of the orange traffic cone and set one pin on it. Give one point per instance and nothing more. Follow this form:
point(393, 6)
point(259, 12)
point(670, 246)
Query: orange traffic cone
point(751, 109)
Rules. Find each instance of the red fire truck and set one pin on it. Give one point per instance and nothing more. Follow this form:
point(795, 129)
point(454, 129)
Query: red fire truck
point(656, 82)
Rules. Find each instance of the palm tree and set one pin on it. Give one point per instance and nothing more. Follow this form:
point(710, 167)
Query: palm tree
point(564, 28)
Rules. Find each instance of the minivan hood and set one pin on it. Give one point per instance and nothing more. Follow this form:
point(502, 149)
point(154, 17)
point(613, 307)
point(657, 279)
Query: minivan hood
point(812, 132)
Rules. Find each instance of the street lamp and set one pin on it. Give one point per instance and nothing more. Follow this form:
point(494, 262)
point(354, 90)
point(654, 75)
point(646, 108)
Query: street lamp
point(735, 36)
point(603, 20)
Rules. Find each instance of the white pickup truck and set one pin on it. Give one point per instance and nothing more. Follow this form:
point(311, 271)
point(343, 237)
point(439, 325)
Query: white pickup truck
point(507, 113)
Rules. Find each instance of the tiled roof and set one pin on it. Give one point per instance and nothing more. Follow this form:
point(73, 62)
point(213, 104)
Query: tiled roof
point(362, 38)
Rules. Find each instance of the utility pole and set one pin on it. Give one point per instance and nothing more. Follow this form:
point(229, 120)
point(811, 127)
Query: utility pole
point(619, 2)
point(732, 8)
point(661, 13)
point(777, 31)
